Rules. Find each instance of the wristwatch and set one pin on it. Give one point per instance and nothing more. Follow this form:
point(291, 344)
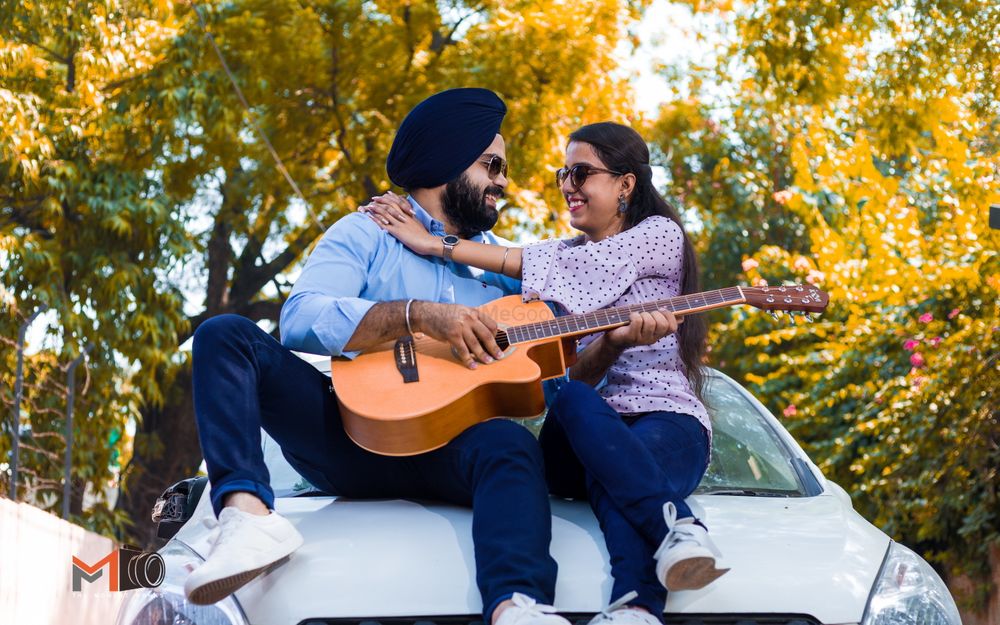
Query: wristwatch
point(449, 241)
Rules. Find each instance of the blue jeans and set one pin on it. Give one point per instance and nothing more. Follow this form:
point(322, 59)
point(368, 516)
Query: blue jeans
point(627, 468)
point(244, 380)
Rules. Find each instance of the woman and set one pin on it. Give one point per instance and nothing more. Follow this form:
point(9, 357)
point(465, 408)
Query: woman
point(637, 445)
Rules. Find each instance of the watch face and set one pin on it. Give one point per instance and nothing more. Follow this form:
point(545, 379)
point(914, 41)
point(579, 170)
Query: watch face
point(451, 239)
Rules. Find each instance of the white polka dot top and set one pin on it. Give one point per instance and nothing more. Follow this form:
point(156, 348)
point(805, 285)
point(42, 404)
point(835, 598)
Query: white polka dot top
point(638, 265)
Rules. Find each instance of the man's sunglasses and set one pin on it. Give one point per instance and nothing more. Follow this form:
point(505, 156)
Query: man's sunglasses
point(578, 174)
point(495, 166)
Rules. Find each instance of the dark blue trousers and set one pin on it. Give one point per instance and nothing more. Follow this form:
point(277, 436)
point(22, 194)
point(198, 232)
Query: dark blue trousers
point(244, 380)
point(627, 469)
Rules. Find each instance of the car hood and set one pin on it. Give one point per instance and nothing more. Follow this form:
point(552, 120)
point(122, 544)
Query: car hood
point(805, 556)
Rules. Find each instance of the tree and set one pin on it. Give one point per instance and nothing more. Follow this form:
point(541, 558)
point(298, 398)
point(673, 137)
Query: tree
point(84, 226)
point(886, 120)
point(327, 82)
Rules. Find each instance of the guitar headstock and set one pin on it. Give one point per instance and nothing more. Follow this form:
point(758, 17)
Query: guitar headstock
point(792, 297)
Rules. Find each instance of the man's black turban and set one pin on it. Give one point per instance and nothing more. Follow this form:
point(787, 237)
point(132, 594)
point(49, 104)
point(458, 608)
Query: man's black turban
point(442, 136)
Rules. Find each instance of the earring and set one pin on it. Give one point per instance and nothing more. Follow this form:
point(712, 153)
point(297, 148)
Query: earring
point(622, 205)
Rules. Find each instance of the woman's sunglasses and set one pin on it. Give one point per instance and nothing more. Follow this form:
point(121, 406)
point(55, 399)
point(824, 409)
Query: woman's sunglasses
point(495, 165)
point(578, 174)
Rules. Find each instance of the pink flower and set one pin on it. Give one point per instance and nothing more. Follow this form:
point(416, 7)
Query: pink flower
point(954, 313)
point(934, 342)
point(918, 381)
point(910, 344)
point(801, 264)
point(926, 318)
point(815, 277)
point(749, 264)
point(782, 197)
point(789, 411)
point(917, 360)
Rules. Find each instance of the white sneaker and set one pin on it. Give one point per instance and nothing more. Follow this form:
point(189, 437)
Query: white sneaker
point(619, 614)
point(686, 557)
point(245, 546)
point(526, 611)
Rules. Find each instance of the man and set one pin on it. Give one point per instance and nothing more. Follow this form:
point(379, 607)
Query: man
point(361, 287)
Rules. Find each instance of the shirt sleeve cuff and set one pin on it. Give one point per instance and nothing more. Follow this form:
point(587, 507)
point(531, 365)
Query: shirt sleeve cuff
point(337, 323)
point(536, 261)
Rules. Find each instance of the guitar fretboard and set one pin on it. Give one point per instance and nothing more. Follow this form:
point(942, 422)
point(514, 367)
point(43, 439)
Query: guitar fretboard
point(608, 318)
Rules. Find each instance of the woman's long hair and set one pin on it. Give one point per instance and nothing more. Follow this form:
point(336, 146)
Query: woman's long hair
point(622, 149)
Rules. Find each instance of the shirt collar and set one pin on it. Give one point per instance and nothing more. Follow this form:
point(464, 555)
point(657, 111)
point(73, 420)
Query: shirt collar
point(433, 226)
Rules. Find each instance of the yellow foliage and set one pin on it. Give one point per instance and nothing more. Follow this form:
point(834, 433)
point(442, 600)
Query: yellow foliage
point(874, 132)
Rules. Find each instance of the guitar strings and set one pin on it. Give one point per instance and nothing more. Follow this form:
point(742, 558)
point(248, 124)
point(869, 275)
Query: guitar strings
point(571, 323)
point(587, 321)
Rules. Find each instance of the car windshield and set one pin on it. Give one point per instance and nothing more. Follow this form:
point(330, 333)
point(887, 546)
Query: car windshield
point(748, 457)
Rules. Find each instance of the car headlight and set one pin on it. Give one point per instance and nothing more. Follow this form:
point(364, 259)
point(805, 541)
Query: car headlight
point(909, 592)
point(167, 605)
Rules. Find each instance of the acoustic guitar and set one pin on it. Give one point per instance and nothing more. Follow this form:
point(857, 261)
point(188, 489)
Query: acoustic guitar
point(413, 395)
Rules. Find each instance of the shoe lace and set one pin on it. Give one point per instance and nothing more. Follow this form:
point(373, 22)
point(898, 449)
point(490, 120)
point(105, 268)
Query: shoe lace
point(678, 533)
point(216, 536)
point(605, 615)
point(529, 606)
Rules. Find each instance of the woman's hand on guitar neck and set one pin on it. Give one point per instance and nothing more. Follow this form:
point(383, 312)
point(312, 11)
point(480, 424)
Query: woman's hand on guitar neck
point(394, 214)
point(470, 332)
point(644, 329)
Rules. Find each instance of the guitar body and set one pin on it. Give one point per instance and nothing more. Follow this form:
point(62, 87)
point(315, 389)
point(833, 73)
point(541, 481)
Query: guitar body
point(386, 415)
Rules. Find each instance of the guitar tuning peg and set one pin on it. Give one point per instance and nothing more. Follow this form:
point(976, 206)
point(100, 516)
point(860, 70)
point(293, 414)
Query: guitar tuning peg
point(774, 314)
point(791, 317)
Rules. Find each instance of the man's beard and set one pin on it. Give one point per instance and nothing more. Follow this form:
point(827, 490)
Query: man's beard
point(466, 208)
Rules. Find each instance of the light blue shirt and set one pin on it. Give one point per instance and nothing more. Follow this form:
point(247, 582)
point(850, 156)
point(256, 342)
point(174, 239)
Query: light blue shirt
point(357, 264)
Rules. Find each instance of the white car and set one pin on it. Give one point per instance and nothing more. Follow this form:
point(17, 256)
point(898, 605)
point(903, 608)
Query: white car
point(798, 551)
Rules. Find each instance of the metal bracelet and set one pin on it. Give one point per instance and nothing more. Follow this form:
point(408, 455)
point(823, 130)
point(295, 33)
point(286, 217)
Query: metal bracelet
point(504, 262)
point(408, 327)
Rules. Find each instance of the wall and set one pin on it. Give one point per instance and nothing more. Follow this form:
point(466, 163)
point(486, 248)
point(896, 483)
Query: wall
point(36, 551)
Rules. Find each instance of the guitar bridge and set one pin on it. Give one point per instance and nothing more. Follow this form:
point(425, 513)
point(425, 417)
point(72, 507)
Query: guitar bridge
point(406, 359)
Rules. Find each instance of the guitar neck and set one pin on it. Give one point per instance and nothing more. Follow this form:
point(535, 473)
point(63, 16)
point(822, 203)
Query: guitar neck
point(609, 318)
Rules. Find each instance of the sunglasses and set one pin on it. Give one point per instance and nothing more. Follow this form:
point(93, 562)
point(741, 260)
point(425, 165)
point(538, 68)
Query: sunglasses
point(495, 166)
point(578, 174)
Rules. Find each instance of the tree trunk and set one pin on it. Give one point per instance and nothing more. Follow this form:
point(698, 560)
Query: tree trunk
point(979, 608)
point(166, 451)
point(166, 440)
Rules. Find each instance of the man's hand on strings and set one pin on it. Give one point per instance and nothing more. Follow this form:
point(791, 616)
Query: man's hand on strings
point(470, 332)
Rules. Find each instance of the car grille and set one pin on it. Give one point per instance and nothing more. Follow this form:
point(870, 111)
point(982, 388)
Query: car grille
point(582, 619)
